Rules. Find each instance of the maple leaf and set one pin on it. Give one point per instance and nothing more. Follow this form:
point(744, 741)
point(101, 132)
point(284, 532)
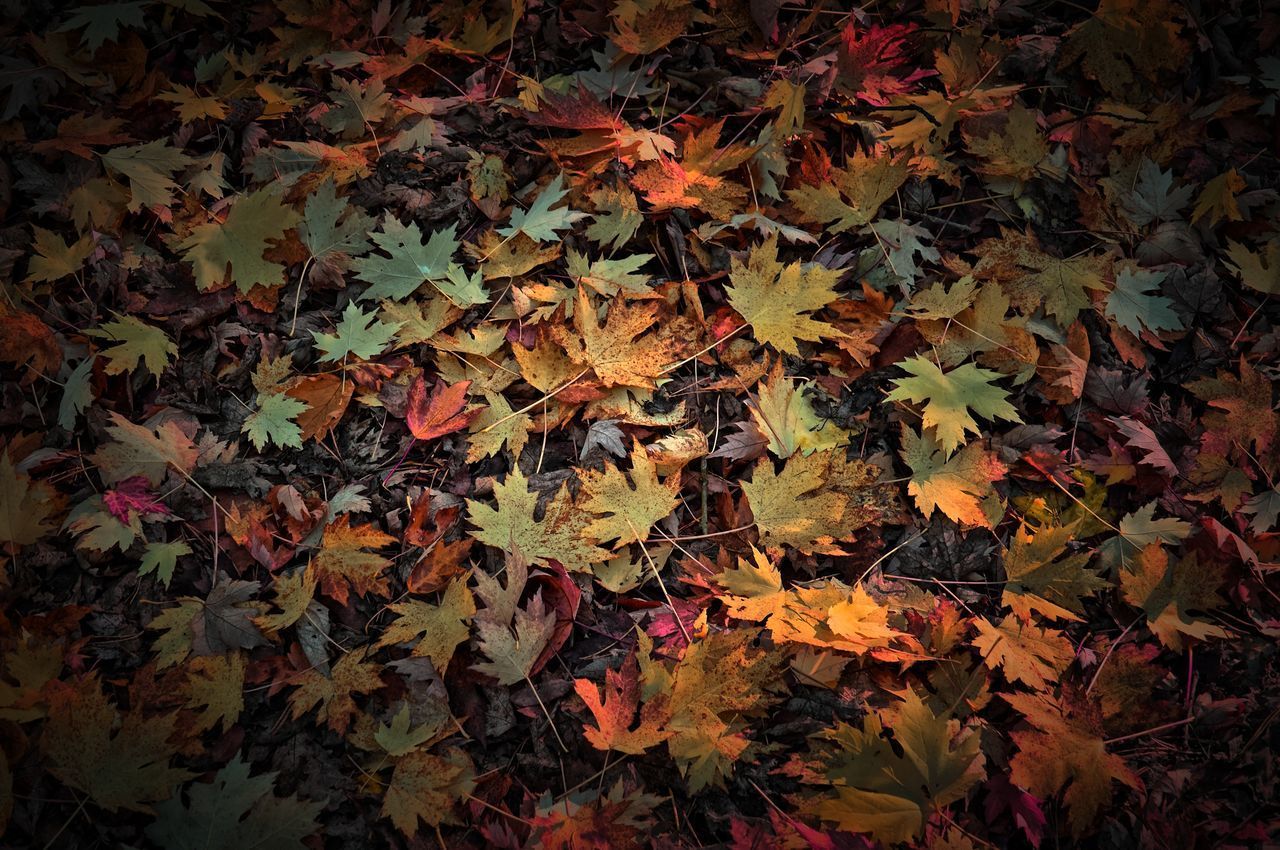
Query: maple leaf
point(162, 558)
point(193, 105)
point(609, 277)
point(1217, 200)
point(425, 787)
point(335, 692)
point(774, 298)
point(617, 216)
point(325, 399)
point(328, 230)
point(54, 259)
point(540, 222)
point(359, 334)
point(1153, 197)
point(852, 195)
point(1039, 579)
point(511, 636)
point(496, 425)
point(949, 397)
point(615, 713)
point(138, 450)
point(441, 627)
point(959, 486)
point(816, 500)
point(215, 690)
point(412, 263)
point(560, 536)
point(293, 594)
point(273, 422)
point(150, 169)
point(1170, 592)
point(1140, 529)
point(618, 351)
point(342, 564)
point(627, 510)
point(592, 821)
point(210, 626)
point(720, 678)
point(1066, 750)
point(755, 589)
point(98, 529)
point(1257, 270)
point(1135, 309)
point(1025, 652)
point(900, 244)
point(398, 739)
point(892, 792)
point(1034, 279)
point(126, 770)
point(26, 506)
point(442, 413)
point(1242, 409)
point(102, 23)
point(875, 66)
point(135, 342)
point(234, 812)
point(234, 248)
point(646, 26)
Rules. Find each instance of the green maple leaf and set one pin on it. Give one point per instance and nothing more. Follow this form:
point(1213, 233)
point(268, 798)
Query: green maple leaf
point(461, 288)
point(540, 222)
point(949, 397)
point(162, 558)
point(1153, 198)
point(102, 23)
point(150, 169)
point(237, 244)
point(903, 247)
point(321, 231)
point(135, 341)
point(273, 421)
point(234, 812)
point(1040, 580)
point(359, 334)
point(891, 790)
point(1133, 306)
point(410, 263)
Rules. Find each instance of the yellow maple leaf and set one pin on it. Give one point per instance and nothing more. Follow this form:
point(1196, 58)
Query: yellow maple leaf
point(1168, 591)
point(559, 536)
point(808, 505)
point(785, 415)
point(441, 627)
point(25, 505)
point(774, 299)
point(426, 787)
point(627, 510)
point(618, 351)
point(1025, 652)
point(334, 693)
point(342, 564)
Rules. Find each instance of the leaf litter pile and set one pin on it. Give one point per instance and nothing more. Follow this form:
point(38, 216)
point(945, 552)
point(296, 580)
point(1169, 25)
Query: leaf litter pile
point(640, 423)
